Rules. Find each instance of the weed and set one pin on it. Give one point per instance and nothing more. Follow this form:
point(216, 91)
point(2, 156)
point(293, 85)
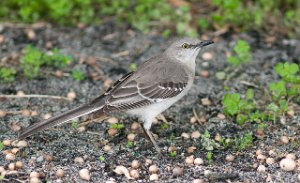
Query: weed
point(208, 143)
point(117, 126)
point(101, 158)
point(33, 59)
point(7, 75)
point(77, 75)
point(209, 157)
point(245, 141)
point(129, 144)
point(133, 67)
point(173, 154)
point(1, 146)
point(242, 53)
point(74, 124)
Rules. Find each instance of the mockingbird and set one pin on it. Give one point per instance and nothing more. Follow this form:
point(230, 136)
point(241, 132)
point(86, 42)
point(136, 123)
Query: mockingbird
point(152, 88)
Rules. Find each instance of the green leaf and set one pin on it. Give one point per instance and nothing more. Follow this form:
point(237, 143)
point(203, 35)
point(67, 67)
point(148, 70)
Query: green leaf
point(249, 94)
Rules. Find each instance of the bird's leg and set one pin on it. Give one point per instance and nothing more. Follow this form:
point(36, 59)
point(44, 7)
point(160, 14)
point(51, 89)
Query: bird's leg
point(150, 136)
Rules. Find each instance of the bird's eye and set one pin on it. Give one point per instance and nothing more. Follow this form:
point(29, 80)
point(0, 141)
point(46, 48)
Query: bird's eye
point(185, 45)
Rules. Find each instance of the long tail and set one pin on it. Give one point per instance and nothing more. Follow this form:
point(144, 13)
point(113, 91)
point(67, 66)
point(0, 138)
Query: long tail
point(57, 120)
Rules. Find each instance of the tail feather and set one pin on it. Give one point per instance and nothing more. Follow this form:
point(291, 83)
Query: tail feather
point(60, 119)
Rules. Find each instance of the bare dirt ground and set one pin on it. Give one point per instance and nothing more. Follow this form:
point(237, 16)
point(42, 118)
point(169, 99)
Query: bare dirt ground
point(115, 48)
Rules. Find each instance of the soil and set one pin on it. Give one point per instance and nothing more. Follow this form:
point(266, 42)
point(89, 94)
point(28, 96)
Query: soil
point(115, 47)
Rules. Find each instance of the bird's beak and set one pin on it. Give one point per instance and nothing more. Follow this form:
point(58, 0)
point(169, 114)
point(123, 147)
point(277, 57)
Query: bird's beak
point(204, 43)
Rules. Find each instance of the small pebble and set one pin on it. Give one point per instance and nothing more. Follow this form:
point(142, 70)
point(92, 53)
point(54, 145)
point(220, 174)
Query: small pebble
point(191, 149)
point(11, 166)
point(71, 95)
point(31, 34)
point(287, 164)
point(6, 142)
point(193, 120)
point(177, 171)
point(272, 153)
point(172, 148)
point(291, 113)
point(291, 156)
point(60, 173)
point(207, 56)
point(48, 45)
point(148, 161)
point(261, 157)
point(299, 176)
point(85, 174)
point(34, 113)
point(106, 148)
point(20, 93)
point(1, 169)
point(122, 170)
point(284, 139)
point(47, 116)
point(81, 129)
point(112, 120)
point(112, 132)
point(22, 143)
point(19, 164)
point(107, 83)
point(221, 116)
point(270, 161)
point(261, 168)
point(153, 169)
point(48, 157)
point(198, 181)
point(195, 134)
point(131, 137)
point(34, 180)
point(258, 152)
point(15, 127)
point(185, 135)
point(40, 159)
point(14, 150)
point(26, 112)
point(10, 157)
point(1, 39)
point(154, 177)
point(204, 73)
point(205, 102)
point(230, 158)
point(135, 126)
point(198, 161)
point(2, 113)
point(79, 160)
point(59, 73)
point(189, 160)
point(134, 174)
point(34, 174)
point(135, 164)
point(207, 173)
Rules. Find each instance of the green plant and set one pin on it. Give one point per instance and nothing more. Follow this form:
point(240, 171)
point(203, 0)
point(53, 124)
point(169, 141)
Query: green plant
point(133, 67)
point(235, 106)
point(33, 59)
point(77, 75)
point(207, 142)
point(74, 124)
point(245, 141)
point(7, 75)
point(101, 158)
point(31, 62)
point(129, 144)
point(242, 52)
point(1, 146)
point(117, 126)
point(209, 157)
point(173, 154)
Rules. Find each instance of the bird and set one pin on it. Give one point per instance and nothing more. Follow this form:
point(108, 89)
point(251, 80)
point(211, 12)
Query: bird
point(156, 84)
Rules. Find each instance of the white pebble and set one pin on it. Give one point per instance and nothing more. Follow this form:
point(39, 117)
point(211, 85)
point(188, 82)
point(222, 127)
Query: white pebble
point(112, 120)
point(153, 169)
point(106, 148)
point(34, 174)
point(284, 139)
point(134, 174)
point(195, 134)
point(10, 157)
point(122, 170)
point(189, 160)
point(84, 174)
point(11, 166)
point(185, 135)
point(177, 171)
point(287, 164)
point(272, 153)
point(60, 173)
point(22, 143)
point(34, 180)
point(135, 126)
point(71, 95)
point(79, 160)
point(6, 142)
point(131, 137)
point(198, 181)
point(261, 157)
point(270, 161)
point(261, 168)
point(135, 164)
point(291, 156)
point(229, 157)
point(154, 177)
point(198, 161)
point(207, 56)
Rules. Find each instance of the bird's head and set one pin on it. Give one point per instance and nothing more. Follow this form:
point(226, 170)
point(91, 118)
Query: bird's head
point(186, 49)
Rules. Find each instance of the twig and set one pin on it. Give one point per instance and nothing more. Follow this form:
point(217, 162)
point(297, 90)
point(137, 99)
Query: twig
point(249, 84)
point(93, 120)
point(196, 115)
point(35, 96)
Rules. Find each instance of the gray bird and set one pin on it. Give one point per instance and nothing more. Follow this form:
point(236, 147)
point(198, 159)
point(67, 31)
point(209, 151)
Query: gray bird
point(152, 88)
